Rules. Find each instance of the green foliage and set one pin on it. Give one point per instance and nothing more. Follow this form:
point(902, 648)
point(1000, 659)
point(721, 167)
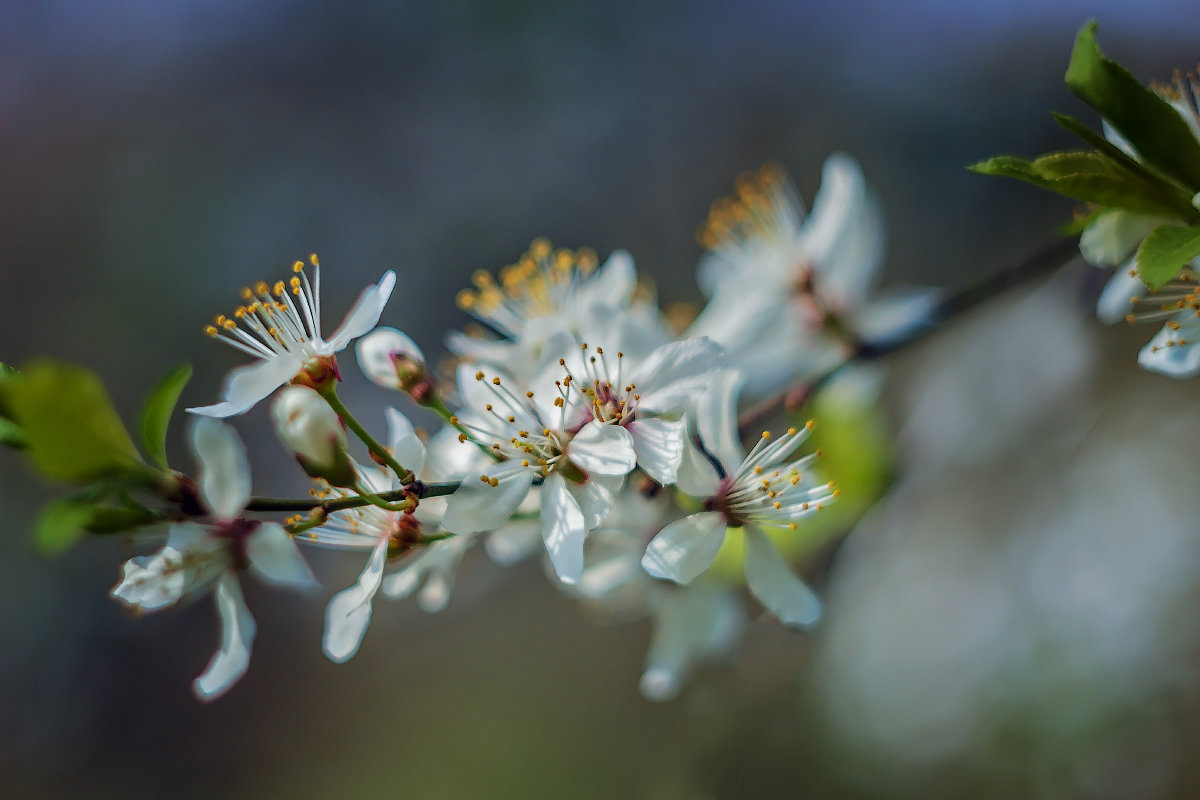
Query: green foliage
point(1088, 176)
point(156, 415)
point(1146, 120)
point(1165, 252)
point(60, 524)
point(70, 427)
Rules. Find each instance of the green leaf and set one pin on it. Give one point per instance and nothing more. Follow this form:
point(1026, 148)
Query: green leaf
point(1163, 189)
point(71, 428)
point(1165, 252)
point(11, 434)
point(1146, 120)
point(7, 372)
point(116, 519)
point(1083, 175)
point(60, 524)
point(156, 415)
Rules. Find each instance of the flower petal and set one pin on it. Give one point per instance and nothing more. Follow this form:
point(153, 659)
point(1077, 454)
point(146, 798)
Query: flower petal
point(247, 385)
point(349, 611)
point(686, 547)
point(563, 529)
point(406, 446)
point(365, 313)
point(774, 585)
point(696, 476)
point(659, 446)
point(224, 468)
point(478, 506)
point(603, 449)
point(232, 658)
point(1172, 360)
point(1115, 301)
point(595, 497)
point(1112, 238)
point(704, 620)
point(276, 559)
point(716, 419)
point(671, 378)
point(514, 542)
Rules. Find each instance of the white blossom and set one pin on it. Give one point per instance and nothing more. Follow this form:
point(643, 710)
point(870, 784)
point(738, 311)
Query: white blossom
point(199, 558)
point(280, 326)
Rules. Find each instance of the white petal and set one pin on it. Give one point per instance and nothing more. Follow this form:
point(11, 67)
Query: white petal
point(674, 374)
point(406, 446)
point(894, 313)
point(365, 314)
point(1116, 300)
point(700, 621)
point(563, 529)
point(152, 582)
point(349, 611)
point(612, 285)
point(595, 497)
point(717, 419)
point(686, 547)
point(276, 559)
point(478, 506)
point(1174, 361)
point(1111, 239)
point(659, 446)
point(603, 449)
point(477, 350)
point(230, 661)
point(224, 468)
point(774, 585)
point(247, 385)
point(696, 476)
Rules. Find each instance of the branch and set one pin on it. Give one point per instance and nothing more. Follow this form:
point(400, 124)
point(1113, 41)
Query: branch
point(416, 488)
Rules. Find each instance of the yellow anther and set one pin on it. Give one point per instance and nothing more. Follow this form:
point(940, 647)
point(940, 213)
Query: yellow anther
point(791, 431)
point(804, 506)
point(481, 278)
point(545, 431)
point(454, 421)
point(261, 288)
point(494, 482)
point(766, 434)
point(758, 470)
point(484, 478)
point(539, 247)
point(465, 300)
point(278, 288)
point(479, 375)
point(777, 505)
point(211, 330)
point(312, 257)
point(496, 381)
point(229, 324)
point(524, 462)
point(462, 437)
point(791, 526)
point(247, 294)
point(512, 418)
point(558, 402)
point(298, 266)
point(487, 407)
point(529, 395)
point(837, 492)
point(810, 424)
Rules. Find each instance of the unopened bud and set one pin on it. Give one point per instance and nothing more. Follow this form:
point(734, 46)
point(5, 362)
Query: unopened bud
point(312, 431)
point(391, 360)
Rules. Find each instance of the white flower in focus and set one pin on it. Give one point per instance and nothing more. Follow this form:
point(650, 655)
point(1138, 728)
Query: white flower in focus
point(768, 488)
point(198, 557)
point(550, 292)
point(390, 359)
point(281, 326)
point(789, 294)
point(589, 422)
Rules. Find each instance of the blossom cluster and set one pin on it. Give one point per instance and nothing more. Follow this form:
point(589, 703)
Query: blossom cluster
point(579, 426)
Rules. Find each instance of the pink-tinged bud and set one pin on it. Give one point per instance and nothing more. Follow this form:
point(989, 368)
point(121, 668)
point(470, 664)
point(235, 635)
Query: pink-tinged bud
point(391, 360)
point(312, 431)
point(319, 372)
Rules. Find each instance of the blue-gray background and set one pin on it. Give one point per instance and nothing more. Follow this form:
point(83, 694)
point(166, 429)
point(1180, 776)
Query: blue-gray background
point(156, 156)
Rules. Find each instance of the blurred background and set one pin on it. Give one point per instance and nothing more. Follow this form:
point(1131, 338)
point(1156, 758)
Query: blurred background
point(1016, 617)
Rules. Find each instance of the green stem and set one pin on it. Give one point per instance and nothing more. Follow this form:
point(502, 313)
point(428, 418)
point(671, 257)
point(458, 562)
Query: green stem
point(268, 504)
point(378, 450)
point(374, 499)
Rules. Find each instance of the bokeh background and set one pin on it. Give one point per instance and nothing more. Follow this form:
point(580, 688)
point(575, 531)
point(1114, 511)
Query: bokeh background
point(1015, 619)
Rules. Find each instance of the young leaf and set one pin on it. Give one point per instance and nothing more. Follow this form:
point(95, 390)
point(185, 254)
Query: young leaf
point(71, 428)
point(1165, 252)
point(11, 434)
point(60, 524)
point(1091, 177)
point(1151, 125)
point(1162, 187)
point(156, 415)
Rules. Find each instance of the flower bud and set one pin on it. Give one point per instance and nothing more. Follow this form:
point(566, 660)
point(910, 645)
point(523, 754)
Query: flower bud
point(312, 431)
point(391, 360)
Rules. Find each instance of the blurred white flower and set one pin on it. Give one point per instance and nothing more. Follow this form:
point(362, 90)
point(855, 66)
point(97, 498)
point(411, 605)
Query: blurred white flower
point(285, 334)
point(789, 294)
point(549, 292)
point(198, 558)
